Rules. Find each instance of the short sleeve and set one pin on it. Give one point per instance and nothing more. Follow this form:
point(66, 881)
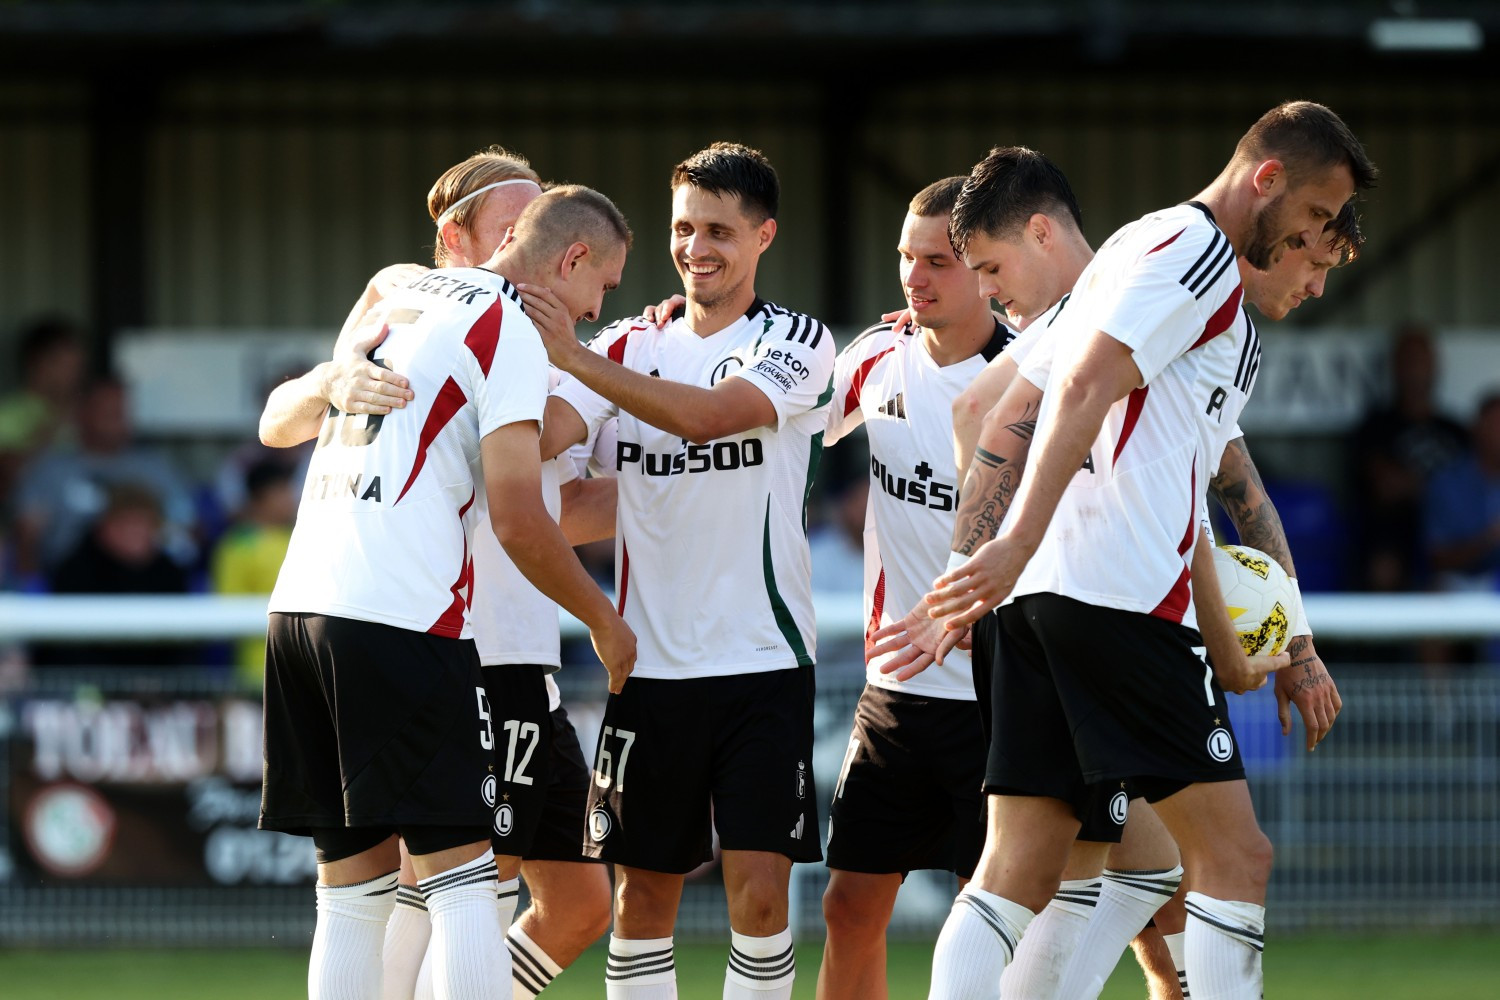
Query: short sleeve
point(1160, 306)
point(794, 369)
point(849, 372)
point(513, 387)
point(1034, 362)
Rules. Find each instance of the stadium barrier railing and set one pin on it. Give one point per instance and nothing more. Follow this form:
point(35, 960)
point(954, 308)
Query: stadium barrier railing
point(1393, 823)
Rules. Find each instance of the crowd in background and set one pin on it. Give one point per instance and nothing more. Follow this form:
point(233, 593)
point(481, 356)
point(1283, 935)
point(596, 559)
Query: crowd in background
point(86, 507)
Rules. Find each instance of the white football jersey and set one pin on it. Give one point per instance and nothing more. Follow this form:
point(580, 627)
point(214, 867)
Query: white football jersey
point(891, 384)
point(711, 562)
point(384, 526)
point(1165, 286)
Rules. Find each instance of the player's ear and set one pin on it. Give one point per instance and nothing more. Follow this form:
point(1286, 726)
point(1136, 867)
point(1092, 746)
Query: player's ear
point(1268, 176)
point(507, 239)
point(1039, 228)
point(765, 234)
point(452, 235)
point(575, 255)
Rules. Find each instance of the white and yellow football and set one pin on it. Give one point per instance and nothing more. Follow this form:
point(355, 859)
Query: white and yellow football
point(1260, 598)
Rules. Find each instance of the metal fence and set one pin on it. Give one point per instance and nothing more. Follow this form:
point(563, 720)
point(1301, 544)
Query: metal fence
point(1393, 823)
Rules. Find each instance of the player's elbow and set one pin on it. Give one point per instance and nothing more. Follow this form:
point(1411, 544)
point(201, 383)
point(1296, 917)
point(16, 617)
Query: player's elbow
point(968, 409)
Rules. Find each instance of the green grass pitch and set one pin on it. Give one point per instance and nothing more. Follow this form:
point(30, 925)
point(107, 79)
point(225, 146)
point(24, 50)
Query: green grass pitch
point(1311, 968)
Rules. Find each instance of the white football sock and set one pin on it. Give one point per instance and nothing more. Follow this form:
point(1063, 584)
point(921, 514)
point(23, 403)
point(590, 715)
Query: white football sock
point(640, 969)
point(1225, 939)
point(1177, 946)
point(349, 938)
point(468, 954)
point(406, 935)
point(1051, 941)
point(423, 989)
point(531, 968)
point(760, 968)
point(506, 898)
point(977, 941)
point(1127, 900)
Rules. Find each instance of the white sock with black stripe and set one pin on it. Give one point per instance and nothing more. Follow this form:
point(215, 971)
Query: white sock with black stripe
point(1225, 939)
point(1127, 900)
point(1051, 941)
point(1177, 946)
point(406, 935)
point(760, 968)
point(531, 968)
point(640, 969)
point(349, 938)
point(468, 953)
point(507, 895)
point(977, 941)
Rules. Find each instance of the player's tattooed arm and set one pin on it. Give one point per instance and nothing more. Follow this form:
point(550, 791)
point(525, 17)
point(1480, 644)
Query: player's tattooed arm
point(1242, 494)
point(1307, 684)
point(995, 474)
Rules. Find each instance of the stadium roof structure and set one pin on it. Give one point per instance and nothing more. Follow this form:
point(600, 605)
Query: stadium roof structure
point(841, 32)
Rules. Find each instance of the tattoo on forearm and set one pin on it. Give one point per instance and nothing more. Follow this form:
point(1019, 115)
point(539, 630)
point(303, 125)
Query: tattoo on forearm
point(1239, 490)
point(1023, 429)
point(988, 458)
point(985, 500)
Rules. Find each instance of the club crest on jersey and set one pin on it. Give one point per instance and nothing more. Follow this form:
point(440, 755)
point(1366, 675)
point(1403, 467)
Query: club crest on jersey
point(505, 819)
point(600, 824)
point(1220, 745)
point(725, 368)
point(487, 789)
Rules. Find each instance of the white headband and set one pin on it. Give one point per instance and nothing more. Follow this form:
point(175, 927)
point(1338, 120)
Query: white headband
point(475, 194)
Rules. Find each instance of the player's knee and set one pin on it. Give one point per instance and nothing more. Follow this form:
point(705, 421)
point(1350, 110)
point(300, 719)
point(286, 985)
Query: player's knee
point(847, 910)
point(1259, 855)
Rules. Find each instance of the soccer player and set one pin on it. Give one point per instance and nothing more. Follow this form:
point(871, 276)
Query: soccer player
point(908, 796)
point(721, 419)
point(370, 677)
point(1100, 650)
point(540, 802)
point(1128, 894)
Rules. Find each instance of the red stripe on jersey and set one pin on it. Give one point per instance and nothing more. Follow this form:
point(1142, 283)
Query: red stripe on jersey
point(450, 399)
point(624, 577)
point(851, 401)
point(1175, 604)
point(617, 349)
point(1190, 536)
point(1163, 246)
point(1133, 409)
point(484, 335)
point(877, 606)
point(451, 624)
point(1222, 317)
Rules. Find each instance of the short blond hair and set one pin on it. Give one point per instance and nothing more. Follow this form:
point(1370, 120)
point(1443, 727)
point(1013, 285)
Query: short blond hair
point(488, 166)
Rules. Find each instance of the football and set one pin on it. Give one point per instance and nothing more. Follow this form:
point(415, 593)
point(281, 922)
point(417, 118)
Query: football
point(1259, 596)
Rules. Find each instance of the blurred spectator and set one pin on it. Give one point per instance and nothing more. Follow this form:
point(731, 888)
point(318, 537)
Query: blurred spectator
point(64, 489)
point(1398, 448)
point(250, 554)
point(120, 553)
point(40, 412)
point(838, 548)
point(1463, 510)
